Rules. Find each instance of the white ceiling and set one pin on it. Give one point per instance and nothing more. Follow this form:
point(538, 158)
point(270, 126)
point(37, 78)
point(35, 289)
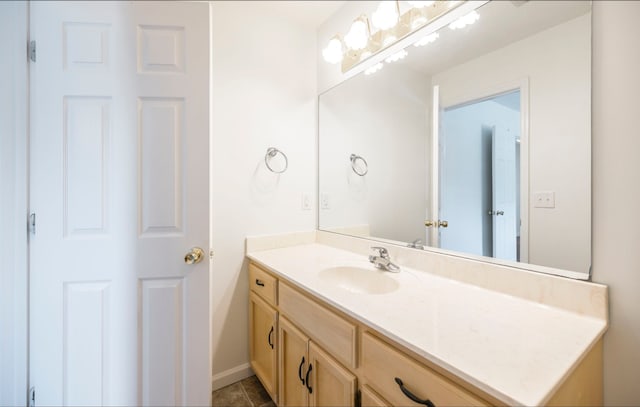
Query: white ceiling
point(307, 12)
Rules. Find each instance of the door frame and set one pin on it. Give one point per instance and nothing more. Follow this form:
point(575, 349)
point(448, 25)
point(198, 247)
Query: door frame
point(15, 184)
point(474, 95)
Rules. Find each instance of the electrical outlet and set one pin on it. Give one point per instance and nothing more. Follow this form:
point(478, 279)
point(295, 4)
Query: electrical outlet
point(544, 199)
point(306, 202)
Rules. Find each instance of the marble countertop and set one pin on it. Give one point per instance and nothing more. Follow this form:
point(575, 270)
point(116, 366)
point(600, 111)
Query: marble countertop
point(516, 350)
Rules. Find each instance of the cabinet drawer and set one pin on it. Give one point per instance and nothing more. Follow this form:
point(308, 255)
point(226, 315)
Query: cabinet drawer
point(263, 284)
point(333, 333)
point(382, 364)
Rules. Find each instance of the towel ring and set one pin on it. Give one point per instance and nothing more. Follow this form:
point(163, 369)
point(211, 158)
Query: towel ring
point(354, 166)
point(271, 153)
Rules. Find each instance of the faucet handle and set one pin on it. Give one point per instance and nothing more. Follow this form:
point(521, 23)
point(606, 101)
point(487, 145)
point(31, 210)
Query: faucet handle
point(382, 251)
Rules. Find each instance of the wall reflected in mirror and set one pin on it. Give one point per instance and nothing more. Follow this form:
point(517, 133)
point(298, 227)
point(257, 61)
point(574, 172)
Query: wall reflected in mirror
point(485, 130)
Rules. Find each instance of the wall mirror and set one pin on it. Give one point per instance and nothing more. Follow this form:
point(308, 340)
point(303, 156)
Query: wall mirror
point(477, 141)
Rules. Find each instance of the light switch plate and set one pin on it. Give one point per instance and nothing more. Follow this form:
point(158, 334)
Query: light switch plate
point(306, 202)
point(544, 199)
point(324, 201)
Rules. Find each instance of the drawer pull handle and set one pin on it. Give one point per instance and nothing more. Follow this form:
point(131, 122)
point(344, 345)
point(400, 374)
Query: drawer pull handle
point(307, 379)
point(300, 371)
point(269, 338)
point(259, 282)
point(412, 396)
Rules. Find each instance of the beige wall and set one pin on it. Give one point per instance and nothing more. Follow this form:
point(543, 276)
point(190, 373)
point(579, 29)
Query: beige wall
point(263, 94)
point(616, 190)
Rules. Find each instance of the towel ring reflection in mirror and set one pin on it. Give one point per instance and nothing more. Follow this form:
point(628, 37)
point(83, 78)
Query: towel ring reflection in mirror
point(271, 153)
point(361, 169)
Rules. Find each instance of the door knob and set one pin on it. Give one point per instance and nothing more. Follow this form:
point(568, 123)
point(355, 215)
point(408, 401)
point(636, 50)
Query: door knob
point(438, 223)
point(428, 223)
point(194, 256)
point(498, 213)
point(443, 224)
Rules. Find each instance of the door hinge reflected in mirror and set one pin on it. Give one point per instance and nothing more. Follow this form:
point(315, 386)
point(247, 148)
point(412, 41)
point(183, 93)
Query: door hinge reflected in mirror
point(31, 225)
point(31, 51)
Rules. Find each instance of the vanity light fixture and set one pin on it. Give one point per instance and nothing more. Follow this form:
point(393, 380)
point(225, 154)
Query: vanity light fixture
point(360, 43)
point(465, 20)
point(387, 15)
point(420, 4)
point(358, 36)
point(334, 51)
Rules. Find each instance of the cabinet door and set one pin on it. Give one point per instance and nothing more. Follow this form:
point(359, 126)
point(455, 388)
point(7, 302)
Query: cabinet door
point(263, 332)
point(370, 398)
point(329, 383)
point(292, 363)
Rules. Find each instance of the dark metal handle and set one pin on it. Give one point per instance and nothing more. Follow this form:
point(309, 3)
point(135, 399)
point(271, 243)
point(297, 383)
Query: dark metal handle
point(269, 338)
point(260, 283)
point(412, 396)
point(300, 371)
point(307, 379)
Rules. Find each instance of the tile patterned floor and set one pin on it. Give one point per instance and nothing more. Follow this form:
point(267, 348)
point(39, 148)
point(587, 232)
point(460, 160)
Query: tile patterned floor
point(245, 393)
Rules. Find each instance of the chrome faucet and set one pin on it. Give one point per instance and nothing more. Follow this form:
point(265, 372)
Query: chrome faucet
point(383, 261)
point(416, 244)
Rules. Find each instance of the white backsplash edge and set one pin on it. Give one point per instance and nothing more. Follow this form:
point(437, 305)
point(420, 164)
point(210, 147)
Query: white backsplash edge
point(269, 242)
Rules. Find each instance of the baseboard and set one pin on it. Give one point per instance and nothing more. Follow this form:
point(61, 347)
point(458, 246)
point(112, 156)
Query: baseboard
point(231, 376)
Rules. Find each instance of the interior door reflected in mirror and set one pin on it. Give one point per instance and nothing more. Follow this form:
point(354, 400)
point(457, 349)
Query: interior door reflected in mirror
point(479, 176)
point(486, 129)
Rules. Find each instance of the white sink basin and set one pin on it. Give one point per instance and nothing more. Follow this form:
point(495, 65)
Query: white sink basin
point(360, 280)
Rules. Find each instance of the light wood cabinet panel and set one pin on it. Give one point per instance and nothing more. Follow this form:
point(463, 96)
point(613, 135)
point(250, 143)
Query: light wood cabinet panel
point(330, 385)
point(369, 398)
point(263, 333)
point(292, 365)
point(263, 284)
point(382, 364)
point(332, 332)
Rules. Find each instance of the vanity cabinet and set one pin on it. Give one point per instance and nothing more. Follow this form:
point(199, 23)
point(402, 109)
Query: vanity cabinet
point(308, 375)
point(308, 353)
point(263, 328)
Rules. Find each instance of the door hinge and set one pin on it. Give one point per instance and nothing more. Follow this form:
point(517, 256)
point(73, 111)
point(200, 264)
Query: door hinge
point(32, 397)
point(31, 50)
point(31, 226)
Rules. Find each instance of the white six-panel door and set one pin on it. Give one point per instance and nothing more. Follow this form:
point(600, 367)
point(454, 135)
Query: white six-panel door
point(119, 186)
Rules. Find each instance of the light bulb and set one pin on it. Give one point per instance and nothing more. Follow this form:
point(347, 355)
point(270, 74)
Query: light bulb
point(333, 52)
point(420, 4)
point(427, 39)
point(386, 16)
point(418, 21)
point(465, 20)
point(358, 35)
point(397, 56)
point(389, 39)
point(373, 69)
point(365, 55)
